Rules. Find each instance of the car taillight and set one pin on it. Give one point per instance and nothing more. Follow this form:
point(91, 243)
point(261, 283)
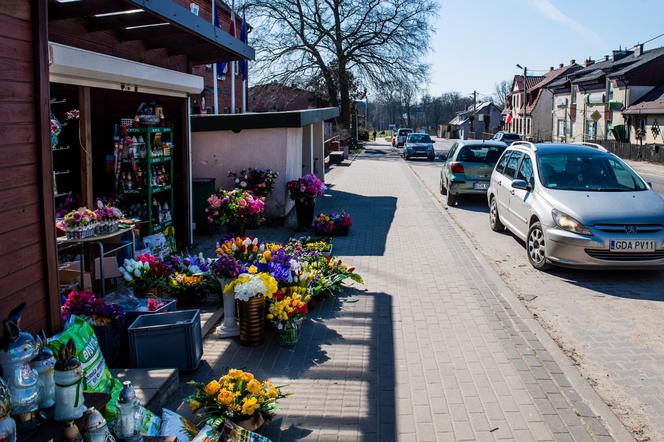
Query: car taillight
point(456, 167)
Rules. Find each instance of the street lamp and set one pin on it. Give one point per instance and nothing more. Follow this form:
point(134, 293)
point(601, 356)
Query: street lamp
point(525, 95)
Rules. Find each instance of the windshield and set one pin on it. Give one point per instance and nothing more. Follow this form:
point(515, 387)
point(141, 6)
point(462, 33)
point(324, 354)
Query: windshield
point(480, 154)
point(404, 131)
point(587, 172)
point(419, 139)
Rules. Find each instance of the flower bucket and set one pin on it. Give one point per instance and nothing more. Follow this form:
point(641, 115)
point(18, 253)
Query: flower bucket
point(290, 335)
point(252, 423)
point(252, 321)
point(304, 209)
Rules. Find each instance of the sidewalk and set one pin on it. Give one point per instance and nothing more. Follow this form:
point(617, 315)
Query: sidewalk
point(428, 350)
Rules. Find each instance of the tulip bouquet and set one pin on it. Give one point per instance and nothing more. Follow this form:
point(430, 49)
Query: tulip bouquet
point(91, 308)
point(147, 273)
point(237, 396)
point(245, 249)
point(236, 207)
point(330, 273)
point(258, 182)
point(80, 223)
point(306, 188)
point(333, 223)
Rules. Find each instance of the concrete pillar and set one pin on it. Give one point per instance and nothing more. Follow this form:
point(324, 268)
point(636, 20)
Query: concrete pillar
point(318, 149)
point(307, 149)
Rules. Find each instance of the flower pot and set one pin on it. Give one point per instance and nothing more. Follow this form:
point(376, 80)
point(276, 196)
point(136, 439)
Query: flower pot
point(252, 423)
point(289, 335)
point(238, 229)
point(304, 209)
point(252, 321)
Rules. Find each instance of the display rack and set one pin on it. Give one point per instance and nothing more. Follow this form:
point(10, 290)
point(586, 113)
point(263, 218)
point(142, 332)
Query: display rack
point(151, 158)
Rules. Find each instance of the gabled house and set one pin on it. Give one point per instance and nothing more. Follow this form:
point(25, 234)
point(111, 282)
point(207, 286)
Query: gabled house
point(533, 121)
point(485, 117)
point(589, 103)
point(647, 117)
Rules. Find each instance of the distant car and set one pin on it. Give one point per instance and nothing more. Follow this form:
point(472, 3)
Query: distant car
point(506, 137)
point(418, 145)
point(401, 136)
point(577, 205)
point(468, 167)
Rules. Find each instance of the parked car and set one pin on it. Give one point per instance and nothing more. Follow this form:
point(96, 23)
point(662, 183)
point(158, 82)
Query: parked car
point(506, 137)
point(419, 145)
point(577, 206)
point(467, 168)
point(402, 134)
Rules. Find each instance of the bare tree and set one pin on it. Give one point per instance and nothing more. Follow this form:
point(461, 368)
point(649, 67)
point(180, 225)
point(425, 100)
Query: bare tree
point(376, 42)
point(503, 89)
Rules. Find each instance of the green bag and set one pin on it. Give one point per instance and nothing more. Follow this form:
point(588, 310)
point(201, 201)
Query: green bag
point(98, 378)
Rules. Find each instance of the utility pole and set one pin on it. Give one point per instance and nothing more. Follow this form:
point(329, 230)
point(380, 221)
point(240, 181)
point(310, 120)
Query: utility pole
point(525, 99)
point(472, 120)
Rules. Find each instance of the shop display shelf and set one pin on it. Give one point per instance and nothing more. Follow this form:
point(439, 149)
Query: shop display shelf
point(156, 228)
point(145, 191)
point(148, 129)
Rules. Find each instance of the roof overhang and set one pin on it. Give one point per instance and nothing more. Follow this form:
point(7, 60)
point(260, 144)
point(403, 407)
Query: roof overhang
point(86, 68)
point(262, 120)
point(159, 24)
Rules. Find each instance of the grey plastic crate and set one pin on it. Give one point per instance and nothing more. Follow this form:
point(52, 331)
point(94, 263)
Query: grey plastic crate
point(167, 340)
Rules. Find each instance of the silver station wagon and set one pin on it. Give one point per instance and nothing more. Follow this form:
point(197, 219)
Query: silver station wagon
point(577, 205)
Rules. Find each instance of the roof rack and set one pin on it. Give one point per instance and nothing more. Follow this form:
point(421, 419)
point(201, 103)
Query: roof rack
point(524, 143)
point(593, 145)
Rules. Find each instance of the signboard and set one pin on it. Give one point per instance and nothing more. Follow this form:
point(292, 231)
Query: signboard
point(596, 116)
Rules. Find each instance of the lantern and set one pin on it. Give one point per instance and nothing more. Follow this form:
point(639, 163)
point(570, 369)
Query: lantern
point(7, 424)
point(95, 428)
point(128, 425)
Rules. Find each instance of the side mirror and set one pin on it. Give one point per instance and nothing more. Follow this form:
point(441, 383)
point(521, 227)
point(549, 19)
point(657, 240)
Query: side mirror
point(649, 183)
point(520, 184)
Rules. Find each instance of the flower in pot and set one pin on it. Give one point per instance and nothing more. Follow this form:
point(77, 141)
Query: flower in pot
point(80, 223)
point(304, 192)
point(226, 268)
point(237, 396)
point(332, 224)
point(146, 274)
point(108, 218)
point(251, 290)
point(236, 209)
point(242, 248)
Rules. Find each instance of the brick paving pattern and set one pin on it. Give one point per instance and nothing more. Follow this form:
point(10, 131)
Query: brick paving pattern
point(426, 351)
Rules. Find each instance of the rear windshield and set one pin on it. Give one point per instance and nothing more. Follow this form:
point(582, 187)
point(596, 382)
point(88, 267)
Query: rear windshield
point(419, 138)
point(587, 172)
point(480, 154)
point(404, 131)
point(511, 137)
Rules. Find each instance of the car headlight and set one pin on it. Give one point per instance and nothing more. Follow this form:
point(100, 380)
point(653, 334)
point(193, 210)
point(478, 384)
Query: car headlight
point(568, 223)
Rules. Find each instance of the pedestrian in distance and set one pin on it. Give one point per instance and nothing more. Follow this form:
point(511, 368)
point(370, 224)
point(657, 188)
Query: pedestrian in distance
point(374, 135)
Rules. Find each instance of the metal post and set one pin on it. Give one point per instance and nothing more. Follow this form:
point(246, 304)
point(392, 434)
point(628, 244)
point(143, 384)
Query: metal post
point(525, 99)
point(214, 66)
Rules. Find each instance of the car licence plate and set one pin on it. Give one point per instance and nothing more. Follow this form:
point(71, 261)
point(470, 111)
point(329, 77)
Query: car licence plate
point(632, 245)
point(480, 186)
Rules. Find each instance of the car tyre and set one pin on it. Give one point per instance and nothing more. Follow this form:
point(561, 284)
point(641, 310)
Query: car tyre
point(536, 247)
point(431, 157)
point(452, 199)
point(494, 218)
point(443, 189)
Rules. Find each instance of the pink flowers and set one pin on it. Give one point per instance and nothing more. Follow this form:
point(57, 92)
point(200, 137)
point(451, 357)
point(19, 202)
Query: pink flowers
point(306, 188)
point(235, 207)
point(214, 201)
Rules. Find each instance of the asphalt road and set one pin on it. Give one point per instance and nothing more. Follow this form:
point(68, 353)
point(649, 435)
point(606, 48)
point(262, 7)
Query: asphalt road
point(611, 323)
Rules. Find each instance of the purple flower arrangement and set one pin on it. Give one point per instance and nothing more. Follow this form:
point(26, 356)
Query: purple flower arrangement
point(227, 267)
point(306, 188)
point(92, 309)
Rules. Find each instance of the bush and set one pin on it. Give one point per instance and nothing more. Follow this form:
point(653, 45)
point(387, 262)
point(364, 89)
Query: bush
point(363, 134)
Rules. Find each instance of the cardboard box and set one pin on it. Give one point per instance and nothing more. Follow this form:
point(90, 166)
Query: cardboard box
point(70, 272)
point(111, 268)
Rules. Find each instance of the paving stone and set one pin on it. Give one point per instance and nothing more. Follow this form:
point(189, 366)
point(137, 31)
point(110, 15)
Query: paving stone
point(423, 351)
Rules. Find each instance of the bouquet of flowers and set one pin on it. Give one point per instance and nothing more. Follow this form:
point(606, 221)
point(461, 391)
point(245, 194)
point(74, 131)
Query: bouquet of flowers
point(250, 285)
point(237, 207)
point(306, 188)
point(147, 273)
point(80, 223)
point(189, 288)
point(66, 206)
point(190, 264)
point(226, 268)
point(237, 396)
point(333, 223)
point(91, 308)
point(259, 182)
point(330, 273)
point(287, 307)
point(247, 250)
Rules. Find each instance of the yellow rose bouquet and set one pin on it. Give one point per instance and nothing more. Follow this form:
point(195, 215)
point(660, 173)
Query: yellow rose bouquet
point(237, 396)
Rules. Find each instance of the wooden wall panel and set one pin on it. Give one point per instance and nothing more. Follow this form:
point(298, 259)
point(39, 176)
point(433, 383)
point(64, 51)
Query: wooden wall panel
point(22, 226)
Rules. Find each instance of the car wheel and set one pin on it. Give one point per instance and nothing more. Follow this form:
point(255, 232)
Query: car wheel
point(406, 157)
point(494, 218)
point(443, 189)
point(536, 247)
point(452, 199)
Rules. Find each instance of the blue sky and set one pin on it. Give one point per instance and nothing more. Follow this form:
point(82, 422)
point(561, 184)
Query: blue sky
point(478, 42)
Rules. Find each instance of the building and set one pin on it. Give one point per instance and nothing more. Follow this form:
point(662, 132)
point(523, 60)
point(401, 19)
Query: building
point(589, 102)
point(535, 122)
point(646, 116)
point(485, 117)
point(275, 97)
point(104, 62)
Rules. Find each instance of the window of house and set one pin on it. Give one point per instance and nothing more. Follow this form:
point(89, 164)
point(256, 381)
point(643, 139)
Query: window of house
point(528, 126)
point(573, 94)
point(610, 90)
point(561, 128)
point(591, 130)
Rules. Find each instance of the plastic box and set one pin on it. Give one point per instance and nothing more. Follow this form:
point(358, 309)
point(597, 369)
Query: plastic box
point(131, 315)
point(167, 340)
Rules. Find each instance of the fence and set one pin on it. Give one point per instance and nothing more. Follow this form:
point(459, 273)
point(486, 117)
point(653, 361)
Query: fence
point(628, 151)
point(480, 135)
